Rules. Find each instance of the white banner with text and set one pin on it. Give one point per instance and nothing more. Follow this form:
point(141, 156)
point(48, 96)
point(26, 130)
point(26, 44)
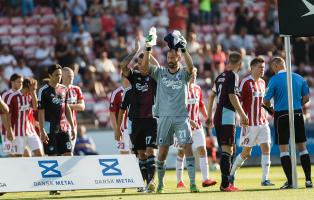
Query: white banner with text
point(69, 173)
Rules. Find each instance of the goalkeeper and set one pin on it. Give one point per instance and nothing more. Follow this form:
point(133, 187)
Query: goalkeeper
point(171, 99)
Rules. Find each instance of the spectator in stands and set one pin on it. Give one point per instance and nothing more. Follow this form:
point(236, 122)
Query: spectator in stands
point(265, 41)
point(241, 14)
point(219, 60)
point(108, 23)
point(178, 15)
point(27, 7)
point(44, 55)
point(254, 24)
point(243, 40)
point(63, 52)
point(95, 11)
point(85, 144)
point(78, 7)
point(7, 62)
point(22, 69)
point(121, 50)
point(226, 39)
point(205, 9)
point(105, 64)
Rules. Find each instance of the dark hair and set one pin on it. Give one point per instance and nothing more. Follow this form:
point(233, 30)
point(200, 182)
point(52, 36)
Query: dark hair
point(53, 68)
point(141, 55)
point(235, 58)
point(15, 76)
point(26, 83)
point(256, 61)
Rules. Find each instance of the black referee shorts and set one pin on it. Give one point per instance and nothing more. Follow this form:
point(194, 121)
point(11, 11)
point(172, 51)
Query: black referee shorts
point(144, 133)
point(282, 129)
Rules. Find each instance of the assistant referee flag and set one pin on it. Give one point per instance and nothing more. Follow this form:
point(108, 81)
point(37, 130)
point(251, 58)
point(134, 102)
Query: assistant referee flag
point(296, 17)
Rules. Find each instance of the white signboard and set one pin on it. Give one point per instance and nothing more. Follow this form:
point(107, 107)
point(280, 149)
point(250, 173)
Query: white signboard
point(69, 173)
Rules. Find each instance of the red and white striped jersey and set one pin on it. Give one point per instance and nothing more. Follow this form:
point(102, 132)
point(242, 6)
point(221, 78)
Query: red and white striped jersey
point(7, 97)
point(115, 102)
point(74, 95)
point(252, 93)
point(195, 101)
point(22, 120)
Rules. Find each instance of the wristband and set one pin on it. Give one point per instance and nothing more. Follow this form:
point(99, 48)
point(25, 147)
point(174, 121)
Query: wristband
point(183, 50)
point(148, 48)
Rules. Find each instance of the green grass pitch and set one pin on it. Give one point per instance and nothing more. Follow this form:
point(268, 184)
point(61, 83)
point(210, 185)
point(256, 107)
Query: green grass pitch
point(248, 180)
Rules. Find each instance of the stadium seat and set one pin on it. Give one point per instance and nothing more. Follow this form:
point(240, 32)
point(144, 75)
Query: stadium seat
point(45, 10)
point(31, 20)
point(5, 39)
point(5, 30)
point(31, 41)
point(17, 30)
point(47, 19)
point(49, 40)
point(29, 52)
point(31, 30)
point(5, 21)
point(17, 41)
point(45, 30)
point(17, 21)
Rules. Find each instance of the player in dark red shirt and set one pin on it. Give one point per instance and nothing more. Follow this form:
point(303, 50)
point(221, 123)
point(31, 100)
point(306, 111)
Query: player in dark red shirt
point(226, 90)
point(140, 100)
point(54, 114)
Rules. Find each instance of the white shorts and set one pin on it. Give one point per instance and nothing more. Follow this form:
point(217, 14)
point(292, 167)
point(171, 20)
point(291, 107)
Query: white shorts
point(253, 135)
point(125, 143)
point(21, 142)
point(198, 137)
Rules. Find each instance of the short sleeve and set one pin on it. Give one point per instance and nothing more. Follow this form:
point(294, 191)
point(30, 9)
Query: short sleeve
point(305, 90)
point(231, 84)
point(270, 90)
point(80, 95)
point(42, 100)
point(125, 100)
point(154, 71)
point(114, 102)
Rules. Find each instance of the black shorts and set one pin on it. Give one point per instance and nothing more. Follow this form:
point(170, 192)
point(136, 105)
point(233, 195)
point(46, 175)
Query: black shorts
point(225, 134)
point(282, 129)
point(144, 133)
point(59, 143)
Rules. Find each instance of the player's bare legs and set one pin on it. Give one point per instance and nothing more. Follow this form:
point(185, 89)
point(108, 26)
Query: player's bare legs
point(38, 153)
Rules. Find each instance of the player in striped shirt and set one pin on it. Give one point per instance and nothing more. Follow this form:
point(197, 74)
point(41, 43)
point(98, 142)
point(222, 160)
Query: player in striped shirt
point(75, 98)
point(16, 81)
point(252, 90)
point(123, 140)
point(21, 107)
point(195, 107)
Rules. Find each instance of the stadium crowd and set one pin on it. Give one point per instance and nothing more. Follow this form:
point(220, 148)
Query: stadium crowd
point(92, 37)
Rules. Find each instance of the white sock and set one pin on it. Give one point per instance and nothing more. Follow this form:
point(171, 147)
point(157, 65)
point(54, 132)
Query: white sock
point(179, 168)
point(204, 167)
point(265, 162)
point(237, 164)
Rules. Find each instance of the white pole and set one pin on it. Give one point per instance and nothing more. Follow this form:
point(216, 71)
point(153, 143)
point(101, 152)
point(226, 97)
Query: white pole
point(291, 113)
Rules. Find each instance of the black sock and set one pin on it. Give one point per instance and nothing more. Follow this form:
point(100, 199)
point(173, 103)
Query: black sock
point(143, 168)
point(225, 165)
point(306, 165)
point(286, 165)
point(151, 168)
